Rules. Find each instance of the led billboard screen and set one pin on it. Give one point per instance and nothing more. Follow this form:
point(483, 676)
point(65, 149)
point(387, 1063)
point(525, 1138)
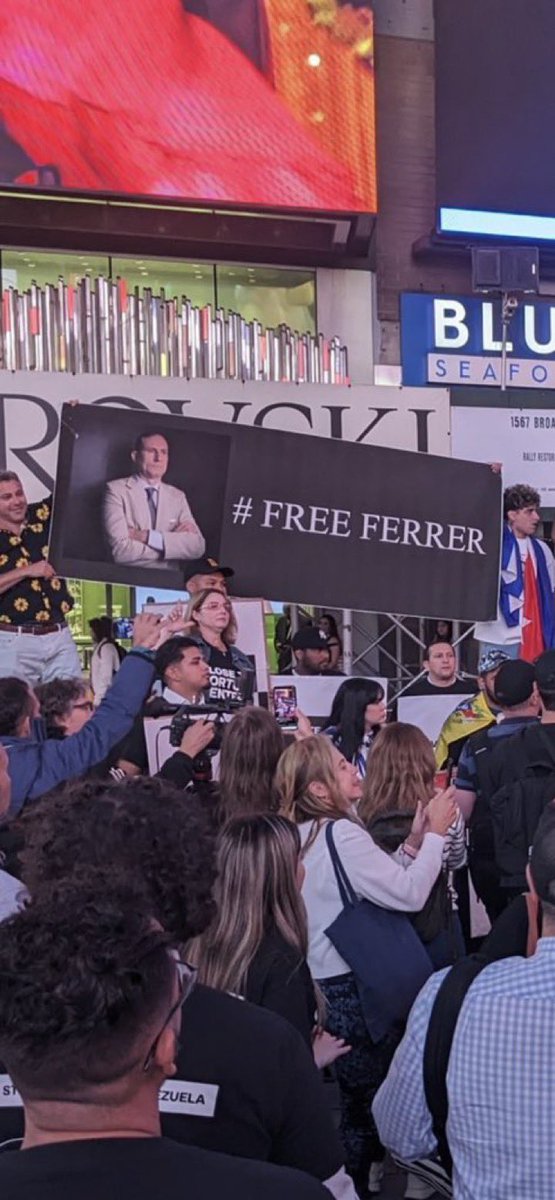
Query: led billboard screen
point(262, 103)
point(495, 98)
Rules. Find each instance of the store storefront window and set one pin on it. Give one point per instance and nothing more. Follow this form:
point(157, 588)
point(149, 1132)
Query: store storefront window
point(193, 280)
point(271, 295)
point(21, 268)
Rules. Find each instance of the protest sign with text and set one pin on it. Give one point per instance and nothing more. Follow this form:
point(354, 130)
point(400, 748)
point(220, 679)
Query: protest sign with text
point(311, 520)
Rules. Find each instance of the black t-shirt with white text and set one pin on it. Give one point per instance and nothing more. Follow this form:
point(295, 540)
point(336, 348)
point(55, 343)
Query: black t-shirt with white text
point(143, 1169)
point(224, 677)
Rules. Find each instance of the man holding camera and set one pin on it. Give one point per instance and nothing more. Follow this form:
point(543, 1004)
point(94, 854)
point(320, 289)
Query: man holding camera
point(185, 675)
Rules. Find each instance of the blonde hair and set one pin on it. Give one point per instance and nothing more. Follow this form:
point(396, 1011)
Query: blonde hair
point(300, 766)
point(256, 891)
point(399, 772)
point(229, 634)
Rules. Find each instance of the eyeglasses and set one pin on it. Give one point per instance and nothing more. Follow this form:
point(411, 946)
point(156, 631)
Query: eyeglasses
point(187, 977)
point(216, 607)
point(86, 705)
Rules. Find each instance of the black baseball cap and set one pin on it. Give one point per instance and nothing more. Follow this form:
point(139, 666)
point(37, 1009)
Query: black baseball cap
point(545, 671)
point(513, 683)
point(310, 638)
point(206, 566)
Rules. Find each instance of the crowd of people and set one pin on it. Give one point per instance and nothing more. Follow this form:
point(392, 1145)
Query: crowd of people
point(254, 969)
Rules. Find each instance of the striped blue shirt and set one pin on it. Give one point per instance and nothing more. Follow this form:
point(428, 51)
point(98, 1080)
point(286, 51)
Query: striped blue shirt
point(500, 1081)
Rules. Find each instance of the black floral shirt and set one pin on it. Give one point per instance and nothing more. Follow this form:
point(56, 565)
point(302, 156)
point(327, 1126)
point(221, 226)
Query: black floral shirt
point(31, 601)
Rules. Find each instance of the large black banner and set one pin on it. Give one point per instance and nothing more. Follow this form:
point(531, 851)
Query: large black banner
point(300, 519)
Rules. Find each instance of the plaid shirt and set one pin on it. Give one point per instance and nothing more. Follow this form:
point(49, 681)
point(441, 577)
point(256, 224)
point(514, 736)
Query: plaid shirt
point(501, 1083)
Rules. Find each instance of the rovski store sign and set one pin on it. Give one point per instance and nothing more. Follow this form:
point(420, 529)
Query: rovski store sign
point(458, 340)
point(31, 403)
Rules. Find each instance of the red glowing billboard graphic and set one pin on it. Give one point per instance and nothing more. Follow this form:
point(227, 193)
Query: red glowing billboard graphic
point(261, 102)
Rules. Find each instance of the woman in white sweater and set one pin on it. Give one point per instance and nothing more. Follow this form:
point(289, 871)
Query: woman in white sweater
point(316, 784)
point(106, 657)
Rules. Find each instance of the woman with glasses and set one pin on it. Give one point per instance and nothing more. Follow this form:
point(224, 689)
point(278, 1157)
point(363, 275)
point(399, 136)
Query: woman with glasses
point(212, 623)
point(65, 705)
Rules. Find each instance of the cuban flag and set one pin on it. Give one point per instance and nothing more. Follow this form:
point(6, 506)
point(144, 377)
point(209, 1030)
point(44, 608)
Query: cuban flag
point(526, 596)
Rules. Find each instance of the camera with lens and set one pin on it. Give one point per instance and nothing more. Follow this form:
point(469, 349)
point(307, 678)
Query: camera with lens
point(216, 712)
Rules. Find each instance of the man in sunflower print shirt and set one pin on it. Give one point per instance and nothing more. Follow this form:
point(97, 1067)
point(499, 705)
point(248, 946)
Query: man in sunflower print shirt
point(35, 640)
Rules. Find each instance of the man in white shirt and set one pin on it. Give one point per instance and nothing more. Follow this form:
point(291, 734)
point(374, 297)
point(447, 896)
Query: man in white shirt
point(147, 522)
point(525, 623)
point(185, 675)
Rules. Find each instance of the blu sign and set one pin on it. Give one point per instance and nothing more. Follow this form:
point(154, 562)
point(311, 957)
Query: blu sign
point(457, 340)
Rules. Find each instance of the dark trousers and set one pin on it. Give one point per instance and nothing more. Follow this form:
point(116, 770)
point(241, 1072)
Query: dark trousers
point(359, 1074)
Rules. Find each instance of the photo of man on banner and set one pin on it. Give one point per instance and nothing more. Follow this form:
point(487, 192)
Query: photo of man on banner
point(147, 521)
point(312, 521)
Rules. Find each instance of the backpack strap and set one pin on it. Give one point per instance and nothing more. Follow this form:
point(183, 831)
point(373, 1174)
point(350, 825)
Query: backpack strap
point(439, 1040)
point(534, 916)
point(481, 745)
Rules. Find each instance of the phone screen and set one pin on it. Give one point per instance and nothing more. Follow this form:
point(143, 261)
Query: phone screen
point(285, 704)
point(123, 627)
point(442, 779)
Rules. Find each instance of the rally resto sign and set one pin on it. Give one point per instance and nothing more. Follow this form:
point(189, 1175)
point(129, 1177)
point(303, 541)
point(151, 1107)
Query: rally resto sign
point(522, 440)
point(312, 520)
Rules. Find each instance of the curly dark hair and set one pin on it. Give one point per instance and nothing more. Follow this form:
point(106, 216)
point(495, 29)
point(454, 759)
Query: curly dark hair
point(144, 829)
point(85, 984)
point(520, 495)
point(57, 698)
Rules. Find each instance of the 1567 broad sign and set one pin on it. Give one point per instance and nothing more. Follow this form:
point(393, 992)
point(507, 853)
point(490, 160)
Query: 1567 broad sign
point(31, 403)
point(458, 340)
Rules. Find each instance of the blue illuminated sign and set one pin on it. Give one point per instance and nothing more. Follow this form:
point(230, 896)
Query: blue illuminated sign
point(458, 339)
point(497, 224)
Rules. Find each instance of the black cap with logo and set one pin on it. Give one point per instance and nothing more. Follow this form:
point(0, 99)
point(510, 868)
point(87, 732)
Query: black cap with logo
point(206, 566)
point(310, 638)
